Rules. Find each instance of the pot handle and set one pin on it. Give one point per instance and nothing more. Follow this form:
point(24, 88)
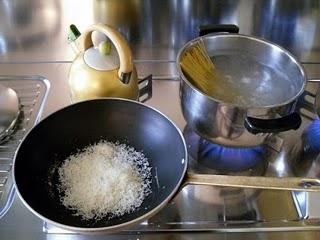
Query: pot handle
point(124, 52)
point(275, 183)
point(289, 122)
point(145, 88)
point(214, 28)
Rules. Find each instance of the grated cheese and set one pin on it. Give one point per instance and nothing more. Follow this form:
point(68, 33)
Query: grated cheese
point(105, 179)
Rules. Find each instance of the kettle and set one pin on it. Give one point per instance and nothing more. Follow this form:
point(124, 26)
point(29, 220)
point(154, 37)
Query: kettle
point(102, 68)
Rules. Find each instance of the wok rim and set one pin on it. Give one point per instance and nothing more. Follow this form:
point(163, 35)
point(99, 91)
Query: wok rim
point(117, 227)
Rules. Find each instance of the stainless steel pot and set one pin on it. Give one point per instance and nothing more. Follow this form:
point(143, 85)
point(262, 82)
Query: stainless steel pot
point(242, 125)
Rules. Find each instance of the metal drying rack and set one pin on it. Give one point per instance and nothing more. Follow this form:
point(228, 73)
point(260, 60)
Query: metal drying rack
point(32, 92)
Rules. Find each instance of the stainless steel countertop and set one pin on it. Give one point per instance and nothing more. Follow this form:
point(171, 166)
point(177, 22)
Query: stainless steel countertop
point(33, 42)
point(36, 31)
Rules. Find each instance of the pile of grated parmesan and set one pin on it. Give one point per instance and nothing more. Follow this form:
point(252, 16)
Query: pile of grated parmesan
point(105, 179)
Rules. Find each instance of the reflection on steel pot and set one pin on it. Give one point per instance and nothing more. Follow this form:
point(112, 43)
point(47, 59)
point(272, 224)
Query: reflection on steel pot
point(269, 79)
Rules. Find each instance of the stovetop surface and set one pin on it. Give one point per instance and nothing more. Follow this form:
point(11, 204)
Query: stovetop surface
point(196, 208)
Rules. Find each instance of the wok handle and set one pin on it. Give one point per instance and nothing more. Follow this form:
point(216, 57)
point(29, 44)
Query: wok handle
point(289, 122)
point(275, 183)
point(314, 80)
point(215, 28)
point(145, 88)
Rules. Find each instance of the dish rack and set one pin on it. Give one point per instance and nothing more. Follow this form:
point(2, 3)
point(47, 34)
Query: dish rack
point(32, 92)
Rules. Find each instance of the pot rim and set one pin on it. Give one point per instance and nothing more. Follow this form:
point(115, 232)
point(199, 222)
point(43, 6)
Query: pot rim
point(251, 38)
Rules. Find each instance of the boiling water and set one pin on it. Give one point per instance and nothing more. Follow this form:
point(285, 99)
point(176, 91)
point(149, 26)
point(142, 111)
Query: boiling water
point(256, 84)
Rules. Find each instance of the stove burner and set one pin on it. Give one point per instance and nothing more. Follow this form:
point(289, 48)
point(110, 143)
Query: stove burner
point(306, 152)
point(212, 158)
point(229, 158)
point(311, 137)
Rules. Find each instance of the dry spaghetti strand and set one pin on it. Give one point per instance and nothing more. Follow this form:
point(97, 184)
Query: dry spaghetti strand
point(200, 70)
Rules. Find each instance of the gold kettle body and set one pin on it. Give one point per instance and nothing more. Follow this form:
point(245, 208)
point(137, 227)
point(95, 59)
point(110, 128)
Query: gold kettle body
point(87, 82)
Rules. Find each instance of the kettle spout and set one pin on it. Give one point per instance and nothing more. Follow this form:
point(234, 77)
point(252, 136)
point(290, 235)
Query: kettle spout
point(73, 35)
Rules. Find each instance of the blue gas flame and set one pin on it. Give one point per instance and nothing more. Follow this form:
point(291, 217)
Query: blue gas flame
point(230, 158)
point(311, 136)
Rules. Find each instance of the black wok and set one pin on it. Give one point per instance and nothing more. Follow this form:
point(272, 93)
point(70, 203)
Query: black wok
point(144, 128)
point(81, 124)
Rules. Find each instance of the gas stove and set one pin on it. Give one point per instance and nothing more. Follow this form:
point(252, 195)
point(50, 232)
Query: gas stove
point(227, 209)
point(196, 209)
